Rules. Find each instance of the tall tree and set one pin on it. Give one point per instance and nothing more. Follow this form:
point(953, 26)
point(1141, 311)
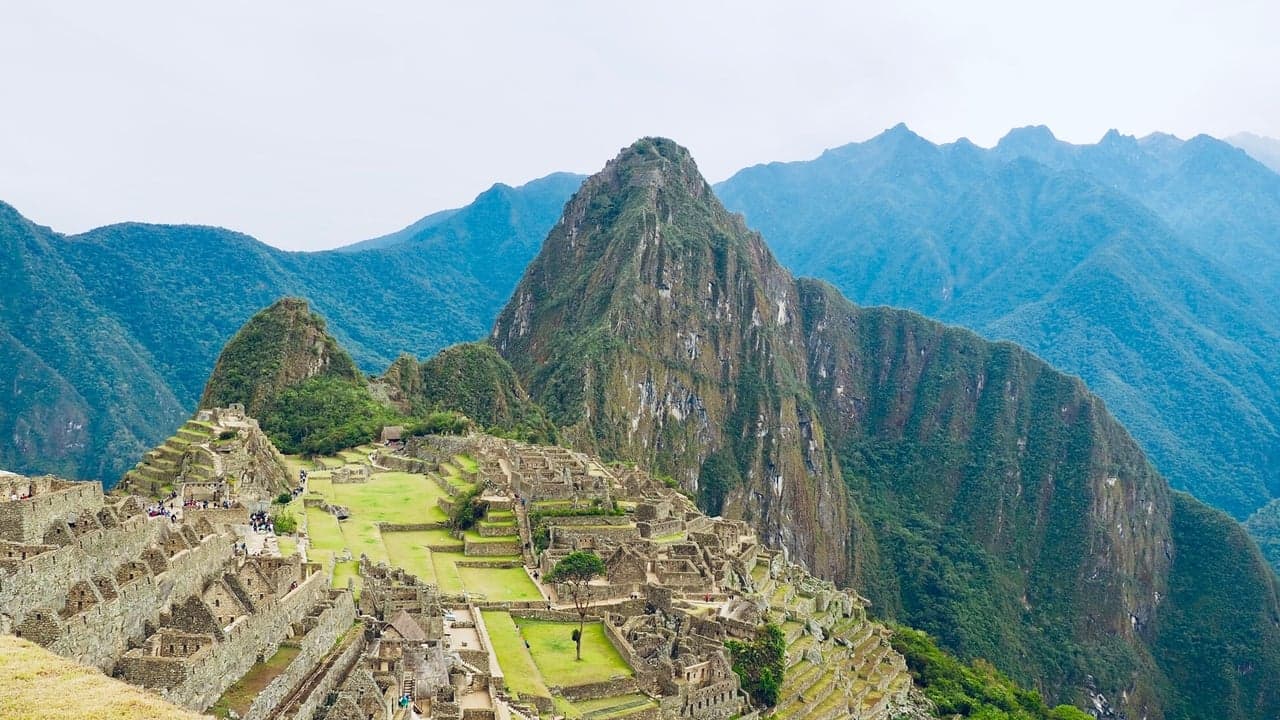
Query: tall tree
point(575, 572)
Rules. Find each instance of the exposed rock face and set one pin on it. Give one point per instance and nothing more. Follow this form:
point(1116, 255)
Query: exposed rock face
point(279, 347)
point(655, 326)
point(978, 493)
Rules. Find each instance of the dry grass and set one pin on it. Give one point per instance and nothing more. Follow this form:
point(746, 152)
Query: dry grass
point(36, 684)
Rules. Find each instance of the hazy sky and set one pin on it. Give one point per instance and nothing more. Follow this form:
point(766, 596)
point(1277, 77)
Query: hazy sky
point(315, 124)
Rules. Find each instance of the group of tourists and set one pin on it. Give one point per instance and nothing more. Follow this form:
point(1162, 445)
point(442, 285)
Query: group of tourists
point(260, 522)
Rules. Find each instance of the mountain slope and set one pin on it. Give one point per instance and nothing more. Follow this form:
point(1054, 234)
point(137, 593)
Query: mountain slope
point(1063, 249)
point(112, 333)
point(630, 325)
point(1263, 149)
point(278, 348)
point(966, 486)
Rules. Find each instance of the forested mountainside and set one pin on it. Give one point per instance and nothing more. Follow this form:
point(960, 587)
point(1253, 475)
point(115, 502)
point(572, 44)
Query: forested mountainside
point(966, 486)
point(1147, 267)
point(108, 336)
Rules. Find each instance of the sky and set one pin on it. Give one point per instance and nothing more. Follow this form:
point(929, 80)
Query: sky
point(315, 124)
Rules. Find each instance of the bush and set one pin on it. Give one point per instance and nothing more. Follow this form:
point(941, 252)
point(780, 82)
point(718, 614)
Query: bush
point(285, 523)
point(227, 434)
point(760, 664)
point(284, 498)
point(467, 509)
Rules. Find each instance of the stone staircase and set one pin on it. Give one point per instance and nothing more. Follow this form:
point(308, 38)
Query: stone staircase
point(839, 664)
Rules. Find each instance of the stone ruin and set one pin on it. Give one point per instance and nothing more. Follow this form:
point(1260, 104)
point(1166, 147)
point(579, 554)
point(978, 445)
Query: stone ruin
point(349, 474)
point(163, 604)
point(218, 454)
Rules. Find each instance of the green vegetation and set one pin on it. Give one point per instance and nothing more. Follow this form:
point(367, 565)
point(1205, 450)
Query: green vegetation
point(1156, 292)
point(475, 380)
point(760, 664)
point(467, 509)
point(521, 674)
point(976, 690)
point(575, 572)
point(551, 645)
point(1264, 526)
point(285, 522)
point(323, 415)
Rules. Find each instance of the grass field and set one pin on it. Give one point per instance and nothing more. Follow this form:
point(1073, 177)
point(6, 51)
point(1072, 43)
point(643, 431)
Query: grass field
point(552, 647)
point(403, 498)
point(409, 551)
point(511, 584)
point(35, 683)
point(521, 673)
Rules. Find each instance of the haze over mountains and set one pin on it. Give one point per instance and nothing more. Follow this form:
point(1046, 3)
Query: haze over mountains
point(1145, 266)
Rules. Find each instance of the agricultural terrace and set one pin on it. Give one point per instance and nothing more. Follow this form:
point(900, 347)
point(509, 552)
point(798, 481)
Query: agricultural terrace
point(435, 554)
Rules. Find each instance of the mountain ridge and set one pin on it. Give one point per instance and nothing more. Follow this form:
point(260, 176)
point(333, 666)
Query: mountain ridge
point(678, 341)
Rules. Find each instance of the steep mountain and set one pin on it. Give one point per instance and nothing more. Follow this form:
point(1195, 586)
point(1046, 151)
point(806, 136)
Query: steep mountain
point(278, 348)
point(966, 486)
point(107, 337)
point(1087, 255)
point(1263, 149)
point(630, 328)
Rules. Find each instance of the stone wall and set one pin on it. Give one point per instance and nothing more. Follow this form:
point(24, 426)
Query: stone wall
point(658, 528)
point(206, 677)
point(328, 682)
point(25, 521)
point(218, 517)
point(486, 549)
point(330, 625)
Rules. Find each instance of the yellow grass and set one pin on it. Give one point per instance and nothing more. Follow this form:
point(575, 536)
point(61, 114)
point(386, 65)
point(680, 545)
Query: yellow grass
point(36, 684)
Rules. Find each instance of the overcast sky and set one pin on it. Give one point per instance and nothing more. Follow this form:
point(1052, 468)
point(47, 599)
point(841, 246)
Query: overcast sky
point(316, 124)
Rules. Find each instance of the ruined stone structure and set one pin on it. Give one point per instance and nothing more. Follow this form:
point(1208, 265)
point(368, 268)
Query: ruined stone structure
point(163, 604)
point(217, 454)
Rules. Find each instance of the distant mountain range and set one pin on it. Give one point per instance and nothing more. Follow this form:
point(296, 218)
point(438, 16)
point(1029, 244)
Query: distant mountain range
point(106, 338)
point(1263, 149)
point(1150, 267)
point(1146, 266)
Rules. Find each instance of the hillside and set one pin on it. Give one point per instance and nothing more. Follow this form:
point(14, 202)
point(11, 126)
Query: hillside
point(109, 336)
point(1093, 257)
point(967, 487)
point(39, 685)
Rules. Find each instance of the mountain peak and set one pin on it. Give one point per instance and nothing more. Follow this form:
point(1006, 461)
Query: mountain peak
point(1029, 136)
point(278, 347)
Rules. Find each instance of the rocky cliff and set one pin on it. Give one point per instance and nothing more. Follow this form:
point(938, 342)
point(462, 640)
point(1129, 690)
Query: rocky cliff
point(966, 486)
point(654, 326)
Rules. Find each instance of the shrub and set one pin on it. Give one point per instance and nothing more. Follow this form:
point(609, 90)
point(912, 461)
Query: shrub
point(285, 523)
point(284, 498)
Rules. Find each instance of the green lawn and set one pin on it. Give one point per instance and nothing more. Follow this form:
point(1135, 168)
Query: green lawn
point(552, 647)
point(344, 570)
point(323, 530)
point(467, 463)
point(518, 668)
point(475, 537)
point(409, 551)
point(499, 584)
point(446, 572)
point(288, 545)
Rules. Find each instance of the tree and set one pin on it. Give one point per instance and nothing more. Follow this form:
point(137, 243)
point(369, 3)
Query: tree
point(761, 663)
point(575, 572)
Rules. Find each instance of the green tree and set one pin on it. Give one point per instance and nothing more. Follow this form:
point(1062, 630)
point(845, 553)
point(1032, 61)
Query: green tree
point(575, 572)
point(761, 663)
